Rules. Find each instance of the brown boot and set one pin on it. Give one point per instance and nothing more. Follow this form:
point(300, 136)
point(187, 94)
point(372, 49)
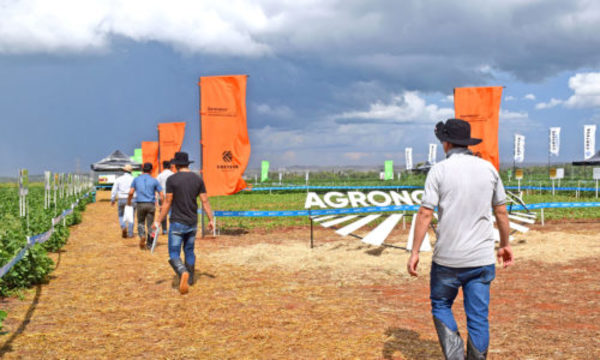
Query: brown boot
point(124, 233)
point(183, 274)
point(142, 243)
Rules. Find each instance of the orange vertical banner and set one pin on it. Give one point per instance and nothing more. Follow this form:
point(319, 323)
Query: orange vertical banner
point(480, 106)
point(225, 142)
point(170, 139)
point(150, 154)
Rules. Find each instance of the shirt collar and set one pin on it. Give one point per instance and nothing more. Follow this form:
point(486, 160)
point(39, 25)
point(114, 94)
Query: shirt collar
point(459, 150)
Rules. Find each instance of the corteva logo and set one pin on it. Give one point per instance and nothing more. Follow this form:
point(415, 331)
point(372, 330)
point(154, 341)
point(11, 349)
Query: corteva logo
point(227, 156)
point(348, 223)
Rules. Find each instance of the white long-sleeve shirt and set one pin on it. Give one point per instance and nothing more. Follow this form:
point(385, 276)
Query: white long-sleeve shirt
point(121, 187)
point(162, 179)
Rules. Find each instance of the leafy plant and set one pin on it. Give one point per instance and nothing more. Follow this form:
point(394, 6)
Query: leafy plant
point(35, 266)
point(3, 315)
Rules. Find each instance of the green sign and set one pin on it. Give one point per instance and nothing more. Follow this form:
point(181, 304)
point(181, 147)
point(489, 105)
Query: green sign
point(389, 170)
point(264, 172)
point(25, 178)
point(137, 157)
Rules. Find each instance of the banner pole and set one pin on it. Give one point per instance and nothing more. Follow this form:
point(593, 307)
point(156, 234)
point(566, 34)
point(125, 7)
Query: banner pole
point(201, 152)
point(160, 169)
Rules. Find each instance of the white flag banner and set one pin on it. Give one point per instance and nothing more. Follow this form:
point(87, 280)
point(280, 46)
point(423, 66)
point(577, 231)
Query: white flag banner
point(519, 148)
point(589, 141)
point(47, 175)
point(432, 153)
point(408, 155)
point(554, 140)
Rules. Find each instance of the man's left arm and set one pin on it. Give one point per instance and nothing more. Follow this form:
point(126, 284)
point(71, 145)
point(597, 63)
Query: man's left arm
point(505, 253)
point(114, 192)
point(209, 213)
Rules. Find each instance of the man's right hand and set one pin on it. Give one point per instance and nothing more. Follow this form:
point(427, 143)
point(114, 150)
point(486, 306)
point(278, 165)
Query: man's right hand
point(412, 264)
point(505, 256)
point(211, 225)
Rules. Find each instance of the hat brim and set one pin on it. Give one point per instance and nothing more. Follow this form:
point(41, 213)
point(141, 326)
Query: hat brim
point(175, 162)
point(465, 142)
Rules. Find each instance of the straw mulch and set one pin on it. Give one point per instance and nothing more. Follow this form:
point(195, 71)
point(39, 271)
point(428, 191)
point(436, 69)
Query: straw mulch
point(269, 296)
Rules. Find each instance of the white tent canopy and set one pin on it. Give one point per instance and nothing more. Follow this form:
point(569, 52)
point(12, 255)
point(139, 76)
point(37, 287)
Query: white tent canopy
point(115, 162)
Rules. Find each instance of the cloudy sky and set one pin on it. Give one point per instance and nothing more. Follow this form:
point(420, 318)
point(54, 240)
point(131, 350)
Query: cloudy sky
point(331, 82)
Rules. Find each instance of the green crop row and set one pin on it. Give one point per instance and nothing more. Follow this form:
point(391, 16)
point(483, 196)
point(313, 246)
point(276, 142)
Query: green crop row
point(36, 265)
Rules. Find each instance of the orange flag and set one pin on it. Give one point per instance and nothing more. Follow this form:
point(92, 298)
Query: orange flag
point(150, 154)
point(225, 143)
point(170, 138)
point(480, 106)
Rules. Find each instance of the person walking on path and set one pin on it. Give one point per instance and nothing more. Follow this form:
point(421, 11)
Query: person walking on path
point(183, 190)
point(119, 194)
point(464, 188)
point(147, 190)
point(162, 180)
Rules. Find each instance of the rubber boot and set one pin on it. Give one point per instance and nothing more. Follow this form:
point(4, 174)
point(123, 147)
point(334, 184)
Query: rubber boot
point(190, 269)
point(183, 274)
point(452, 343)
point(473, 353)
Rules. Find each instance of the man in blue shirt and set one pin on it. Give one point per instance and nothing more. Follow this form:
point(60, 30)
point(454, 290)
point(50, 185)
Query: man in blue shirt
point(148, 191)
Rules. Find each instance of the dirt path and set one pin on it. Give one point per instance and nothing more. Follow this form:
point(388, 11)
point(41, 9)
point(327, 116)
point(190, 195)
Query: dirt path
point(108, 299)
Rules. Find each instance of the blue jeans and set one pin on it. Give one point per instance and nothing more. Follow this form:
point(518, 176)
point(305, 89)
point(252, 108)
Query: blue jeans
point(445, 282)
point(121, 209)
point(182, 234)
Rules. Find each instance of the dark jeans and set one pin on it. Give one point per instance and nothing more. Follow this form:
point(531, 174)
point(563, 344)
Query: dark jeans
point(182, 234)
point(145, 218)
point(445, 282)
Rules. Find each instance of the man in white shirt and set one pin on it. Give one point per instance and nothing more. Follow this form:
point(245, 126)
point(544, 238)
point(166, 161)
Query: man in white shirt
point(168, 170)
point(119, 193)
point(464, 188)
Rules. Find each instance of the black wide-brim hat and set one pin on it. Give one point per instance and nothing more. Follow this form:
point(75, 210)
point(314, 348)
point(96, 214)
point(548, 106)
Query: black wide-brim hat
point(455, 131)
point(181, 158)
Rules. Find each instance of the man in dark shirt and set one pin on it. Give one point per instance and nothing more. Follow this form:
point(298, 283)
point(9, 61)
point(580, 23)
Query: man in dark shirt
point(183, 189)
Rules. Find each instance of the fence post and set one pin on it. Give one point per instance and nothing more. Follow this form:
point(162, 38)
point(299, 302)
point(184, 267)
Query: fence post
point(215, 227)
point(311, 231)
point(542, 216)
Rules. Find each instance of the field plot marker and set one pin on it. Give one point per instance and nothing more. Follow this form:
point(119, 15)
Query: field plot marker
point(381, 232)
point(522, 219)
point(350, 228)
point(425, 246)
point(338, 220)
point(321, 218)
